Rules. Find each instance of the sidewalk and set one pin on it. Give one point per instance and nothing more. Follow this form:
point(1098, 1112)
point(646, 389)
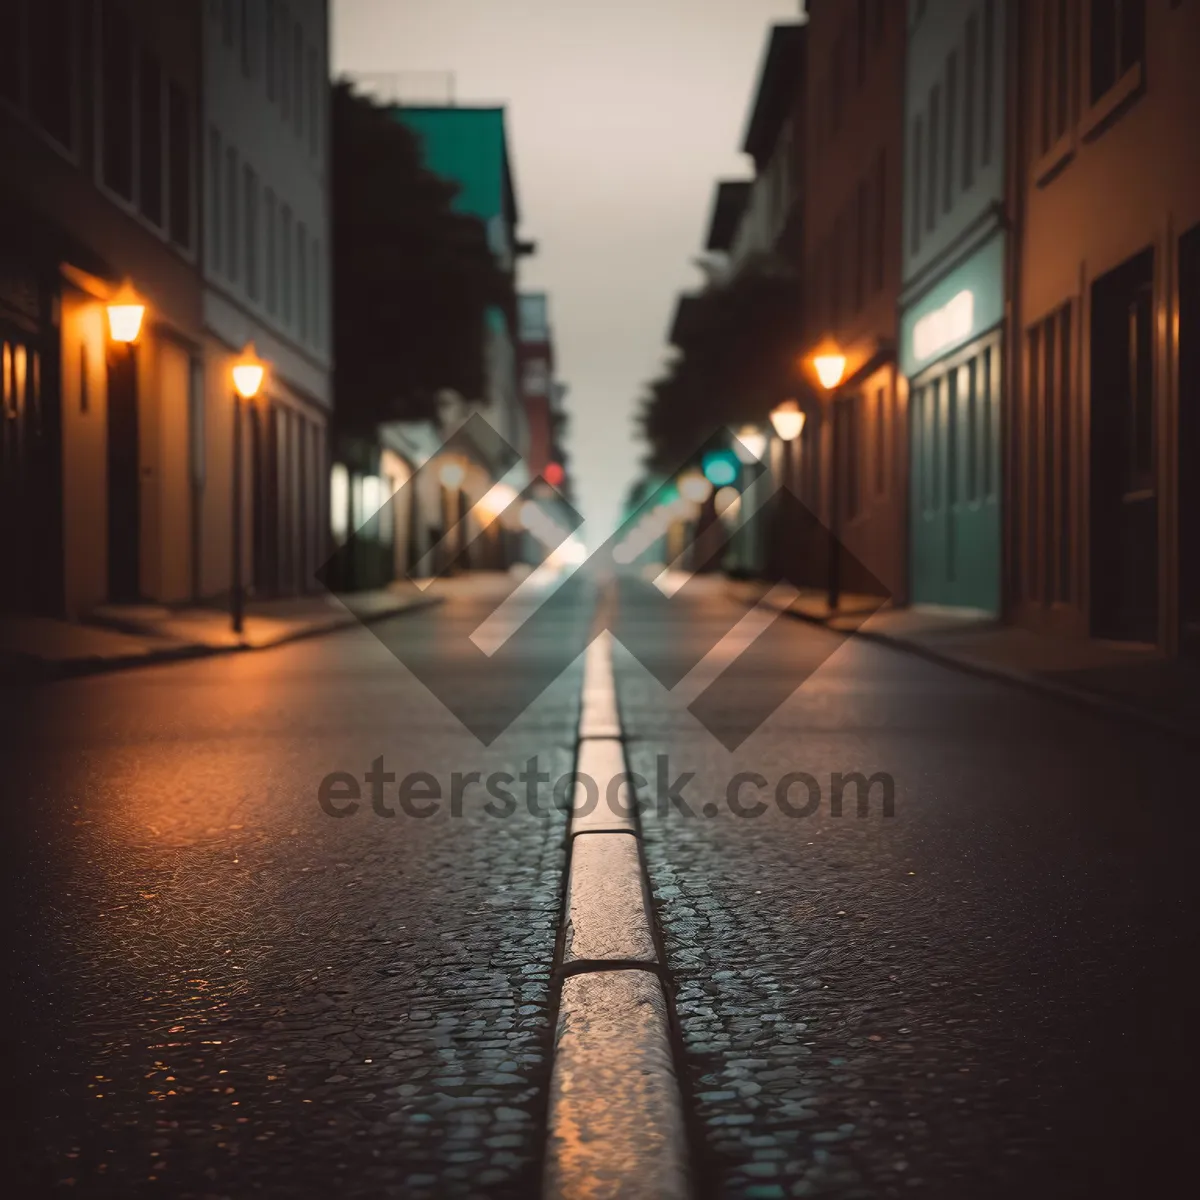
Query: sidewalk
point(117, 636)
point(1131, 681)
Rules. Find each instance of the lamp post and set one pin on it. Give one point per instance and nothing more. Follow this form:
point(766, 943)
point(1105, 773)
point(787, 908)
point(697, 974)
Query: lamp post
point(126, 314)
point(787, 419)
point(452, 475)
point(248, 373)
point(830, 367)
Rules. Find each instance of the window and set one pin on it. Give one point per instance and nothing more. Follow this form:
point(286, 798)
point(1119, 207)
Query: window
point(860, 35)
point(298, 78)
point(880, 440)
point(862, 213)
point(11, 57)
point(116, 67)
point(313, 99)
point(1055, 101)
point(986, 418)
point(1049, 433)
point(302, 280)
point(51, 74)
point(935, 133)
point(989, 84)
point(918, 168)
point(270, 50)
point(880, 217)
point(951, 134)
point(272, 265)
point(150, 141)
point(1118, 38)
point(247, 39)
point(231, 214)
point(316, 293)
point(970, 86)
point(285, 263)
point(179, 165)
point(215, 199)
point(837, 265)
point(251, 235)
point(285, 62)
point(837, 83)
point(969, 385)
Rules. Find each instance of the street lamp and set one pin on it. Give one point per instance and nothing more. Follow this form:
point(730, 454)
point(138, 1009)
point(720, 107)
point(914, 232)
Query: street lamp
point(788, 420)
point(125, 314)
point(248, 374)
point(830, 368)
point(695, 487)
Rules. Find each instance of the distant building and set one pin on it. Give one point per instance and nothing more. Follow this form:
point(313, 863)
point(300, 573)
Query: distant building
point(1104, 430)
point(536, 368)
point(470, 147)
point(853, 155)
point(952, 309)
point(102, 476)
point(266, 220)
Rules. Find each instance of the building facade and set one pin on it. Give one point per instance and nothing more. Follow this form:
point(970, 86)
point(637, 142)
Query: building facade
point(853, 450)
point(536, 370)
point(1104, 437)
point(100, 474)
point(266, 221)
point(469, 145)
point(952, 308)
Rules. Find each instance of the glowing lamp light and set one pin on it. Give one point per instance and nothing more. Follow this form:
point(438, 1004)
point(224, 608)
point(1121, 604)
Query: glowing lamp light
point(248, 374)
point(830, 368)
point(694, 488)
point(554, 474)
point(125, 315)
point(721, 468)
point(452, 474)
point(751, 445)
point(788, 420)
point(727, 502)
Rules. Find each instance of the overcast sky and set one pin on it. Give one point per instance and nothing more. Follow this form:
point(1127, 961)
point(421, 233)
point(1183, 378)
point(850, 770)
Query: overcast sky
point(621, 115)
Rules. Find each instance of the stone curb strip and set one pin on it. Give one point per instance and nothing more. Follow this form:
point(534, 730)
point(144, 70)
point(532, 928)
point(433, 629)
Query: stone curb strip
point(616, 1125)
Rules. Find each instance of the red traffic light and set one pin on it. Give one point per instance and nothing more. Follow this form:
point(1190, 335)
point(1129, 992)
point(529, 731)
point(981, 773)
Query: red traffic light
point(554, 474)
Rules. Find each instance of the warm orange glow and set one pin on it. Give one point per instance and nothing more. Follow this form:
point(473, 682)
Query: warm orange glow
point(788, 420)
point(248, 374)
point(125, 315)
point(829, 368)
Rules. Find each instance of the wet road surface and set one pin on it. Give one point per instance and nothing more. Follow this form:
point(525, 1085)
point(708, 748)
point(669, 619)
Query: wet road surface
point(986, 994)
point(216, 989)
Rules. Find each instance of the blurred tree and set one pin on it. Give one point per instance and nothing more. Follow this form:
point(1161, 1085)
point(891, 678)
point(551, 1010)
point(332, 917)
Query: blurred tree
point(412, 278)
point(736, 360)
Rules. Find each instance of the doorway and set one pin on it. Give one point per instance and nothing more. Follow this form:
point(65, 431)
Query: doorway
point(124, 482)
point(1124, 479)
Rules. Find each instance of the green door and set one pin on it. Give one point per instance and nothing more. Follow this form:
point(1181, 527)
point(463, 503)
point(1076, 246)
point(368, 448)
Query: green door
point(955, 500)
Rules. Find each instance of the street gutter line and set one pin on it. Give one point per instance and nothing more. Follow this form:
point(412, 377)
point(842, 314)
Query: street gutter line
point(616, 1125)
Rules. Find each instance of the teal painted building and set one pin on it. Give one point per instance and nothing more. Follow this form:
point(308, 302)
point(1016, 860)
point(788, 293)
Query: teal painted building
point(952, 307)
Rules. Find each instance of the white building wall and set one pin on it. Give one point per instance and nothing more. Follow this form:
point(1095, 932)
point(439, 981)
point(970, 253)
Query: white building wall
point(265, 203)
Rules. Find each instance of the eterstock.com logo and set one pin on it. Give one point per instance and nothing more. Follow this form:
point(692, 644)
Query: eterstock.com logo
point(488, 687)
